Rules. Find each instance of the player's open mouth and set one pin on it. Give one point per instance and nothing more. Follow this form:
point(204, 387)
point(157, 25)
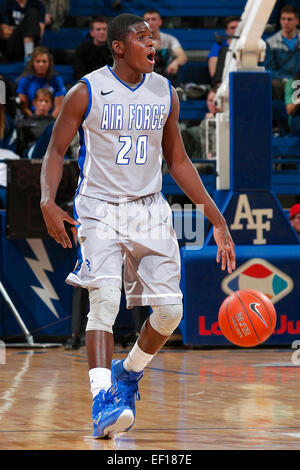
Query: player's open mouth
point(150, 57)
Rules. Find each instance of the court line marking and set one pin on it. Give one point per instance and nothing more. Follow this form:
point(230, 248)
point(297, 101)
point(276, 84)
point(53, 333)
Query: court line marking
point(175, 429)
point(277, 364)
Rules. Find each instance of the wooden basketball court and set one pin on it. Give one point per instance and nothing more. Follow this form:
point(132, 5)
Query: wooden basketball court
point(190, 400)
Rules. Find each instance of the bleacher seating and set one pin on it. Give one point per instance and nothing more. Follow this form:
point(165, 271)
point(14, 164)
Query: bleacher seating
point(287, 146)
point(166, 7)
point(14, 70)
point(189, 38)
point(196, 71)
point(65, 38)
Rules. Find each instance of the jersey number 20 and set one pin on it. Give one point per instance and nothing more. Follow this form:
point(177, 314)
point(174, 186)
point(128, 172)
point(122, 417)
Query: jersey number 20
point(141, 150)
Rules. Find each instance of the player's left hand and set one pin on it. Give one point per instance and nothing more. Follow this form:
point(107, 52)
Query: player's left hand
point(226, 248)
point(54, 218)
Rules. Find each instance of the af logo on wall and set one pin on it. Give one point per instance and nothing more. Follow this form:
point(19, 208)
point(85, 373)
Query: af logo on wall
point(259, 274)
point(252, 219)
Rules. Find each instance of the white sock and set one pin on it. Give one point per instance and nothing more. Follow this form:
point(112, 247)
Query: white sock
point(100, 378)
point(137, 359)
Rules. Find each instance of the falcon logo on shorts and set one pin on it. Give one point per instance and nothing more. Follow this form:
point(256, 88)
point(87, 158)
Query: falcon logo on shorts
point(259, 274)
point(88, 265)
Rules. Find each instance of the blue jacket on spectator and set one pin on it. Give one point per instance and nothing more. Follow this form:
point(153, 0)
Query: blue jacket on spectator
point(280, 59)
point(29, 84)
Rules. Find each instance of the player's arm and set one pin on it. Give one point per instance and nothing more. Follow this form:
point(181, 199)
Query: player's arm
point(69, 119)
point(186, 176)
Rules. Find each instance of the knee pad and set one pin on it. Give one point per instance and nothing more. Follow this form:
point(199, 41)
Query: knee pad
point(166, 318)
point(104, 308)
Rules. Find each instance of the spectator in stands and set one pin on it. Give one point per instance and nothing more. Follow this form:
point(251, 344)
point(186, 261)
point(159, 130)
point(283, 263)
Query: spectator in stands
point(200, 141)
point(31, 128)
point(5, 155)
point(207, 128)
point(34, 132)
point(283, 51)
point(220, 47)
point(56, 12)
point(292, 102)
point(8, 133)
point(93, 52)
point(294, 217)
point(39, 73)
point(22, 26)
point(170, 56)
point(8, 137)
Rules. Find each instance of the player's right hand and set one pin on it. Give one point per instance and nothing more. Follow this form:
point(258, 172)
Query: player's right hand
point(54, 218)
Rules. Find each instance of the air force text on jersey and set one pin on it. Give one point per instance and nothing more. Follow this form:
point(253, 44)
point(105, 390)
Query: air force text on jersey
point(138, 117)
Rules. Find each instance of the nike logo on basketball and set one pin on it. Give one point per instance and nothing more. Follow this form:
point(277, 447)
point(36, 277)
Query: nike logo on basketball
point(253, 307)
point(103, 93)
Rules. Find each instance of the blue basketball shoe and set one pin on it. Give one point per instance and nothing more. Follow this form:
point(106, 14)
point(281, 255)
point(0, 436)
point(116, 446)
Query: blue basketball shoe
point(109, 414)
point(126, 384)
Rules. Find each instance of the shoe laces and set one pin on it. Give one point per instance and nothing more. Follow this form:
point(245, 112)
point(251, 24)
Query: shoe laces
point(106, 399)
point(110, 394)
point(130, 388)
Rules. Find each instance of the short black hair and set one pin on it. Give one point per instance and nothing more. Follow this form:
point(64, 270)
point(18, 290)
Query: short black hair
point(290, 9)
point(152, 11)
point(98, 19)
point(229, 19)
point(120, 26)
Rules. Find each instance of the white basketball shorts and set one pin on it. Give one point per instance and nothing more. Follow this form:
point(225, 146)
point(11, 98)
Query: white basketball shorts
point(132, 241)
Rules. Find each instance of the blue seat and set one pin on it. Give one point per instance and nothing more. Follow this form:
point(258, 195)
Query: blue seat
point(190, 39)
point(195, 39)
point(65, 38)
point(192, 109)
point(165, 7)
point(15, 69)
point(195, 72)
point(288, 146)
point(12, 71)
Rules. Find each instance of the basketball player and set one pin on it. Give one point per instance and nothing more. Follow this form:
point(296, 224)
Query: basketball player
point(127, 116)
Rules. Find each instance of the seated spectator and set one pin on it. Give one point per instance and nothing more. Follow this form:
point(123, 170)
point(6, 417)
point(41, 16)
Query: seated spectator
point(34, 132)
point(200, 141)
point(93, 52)
point(230, 25)
point(8, 135)
point(39, 73)
point(283, 51)
point(207, 128)
point(22, 26)
point(170, 56)
point(31, 128)
point(5, 154)
point(292, 102)
point(294, 217)
point(56, 12)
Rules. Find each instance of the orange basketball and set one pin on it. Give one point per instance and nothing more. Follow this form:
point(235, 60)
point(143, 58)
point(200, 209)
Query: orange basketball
point(247, 318)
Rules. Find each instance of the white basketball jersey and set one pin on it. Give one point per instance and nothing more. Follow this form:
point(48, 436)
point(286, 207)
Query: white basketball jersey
point(120, 153)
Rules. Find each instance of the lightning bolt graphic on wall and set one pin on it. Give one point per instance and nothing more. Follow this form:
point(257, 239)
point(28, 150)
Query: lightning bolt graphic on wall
point(39, 266)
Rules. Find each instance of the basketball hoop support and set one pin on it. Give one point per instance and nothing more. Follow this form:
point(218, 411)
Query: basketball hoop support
point(29, 339)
